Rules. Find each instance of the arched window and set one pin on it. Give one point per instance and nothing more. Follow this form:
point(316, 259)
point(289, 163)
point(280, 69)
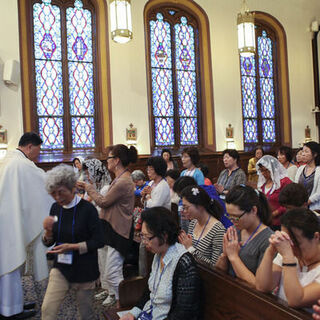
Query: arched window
point(175, 74)
point(64, 102)
point(262, 95)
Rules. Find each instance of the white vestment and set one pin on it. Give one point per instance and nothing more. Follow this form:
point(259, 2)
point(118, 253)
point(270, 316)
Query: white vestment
point(24, 203)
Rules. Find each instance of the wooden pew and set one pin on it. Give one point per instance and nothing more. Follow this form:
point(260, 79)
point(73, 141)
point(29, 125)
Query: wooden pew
point(225, 298)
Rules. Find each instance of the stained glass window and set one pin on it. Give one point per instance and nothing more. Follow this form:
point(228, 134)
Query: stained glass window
point(173, 60)
point(258, 92)
point(64, 73)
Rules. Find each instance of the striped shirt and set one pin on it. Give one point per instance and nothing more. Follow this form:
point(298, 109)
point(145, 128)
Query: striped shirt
point(209, 248)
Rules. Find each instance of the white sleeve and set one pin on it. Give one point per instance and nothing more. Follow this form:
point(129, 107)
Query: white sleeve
point(278, 260)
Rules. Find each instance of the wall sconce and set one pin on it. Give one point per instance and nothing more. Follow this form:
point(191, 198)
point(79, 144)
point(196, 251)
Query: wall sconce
point(246, 32)
point(3, 142)
point(229, 137)
point(120, 20)
point(131, 135)
point(314, 26)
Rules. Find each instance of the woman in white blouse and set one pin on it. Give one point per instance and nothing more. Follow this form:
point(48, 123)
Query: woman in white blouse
point(296, 267)
point(285, 156)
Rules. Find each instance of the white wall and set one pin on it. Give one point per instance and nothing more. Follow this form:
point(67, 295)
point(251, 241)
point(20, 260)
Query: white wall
point(128, 69)
point(10, 97)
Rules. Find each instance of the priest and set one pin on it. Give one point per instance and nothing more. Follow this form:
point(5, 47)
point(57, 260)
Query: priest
point(24, 203)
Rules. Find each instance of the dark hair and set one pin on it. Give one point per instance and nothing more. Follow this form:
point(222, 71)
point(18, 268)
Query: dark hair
point(315, 149)
point(159, 165)
point(258, 148)
point(193, 153)
point(74, 160)
point(204, 168)
point(295, 156)
point(30, 137)
point(183, 182)
point(287, 152)
point(172, 173)
point(245, 197)
point(125, 154)
point(232, 153)
point(196, 195)
point(160, 222)
point(168, 151)
point(293, 194)
point(302, 219)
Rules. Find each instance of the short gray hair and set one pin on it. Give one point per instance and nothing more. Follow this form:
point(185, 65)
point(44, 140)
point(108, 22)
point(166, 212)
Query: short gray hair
point(138, 175)
point(61, 175)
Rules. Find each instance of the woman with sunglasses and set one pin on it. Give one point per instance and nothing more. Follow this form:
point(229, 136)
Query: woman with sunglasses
point(116, 213)
point(174, 287)
point(245, 243)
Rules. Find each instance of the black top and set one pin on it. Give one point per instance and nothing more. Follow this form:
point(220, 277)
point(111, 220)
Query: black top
point(186, 291)
point(87, 227)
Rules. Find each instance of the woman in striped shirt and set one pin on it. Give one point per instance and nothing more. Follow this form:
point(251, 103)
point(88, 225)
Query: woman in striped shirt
point(205, 234)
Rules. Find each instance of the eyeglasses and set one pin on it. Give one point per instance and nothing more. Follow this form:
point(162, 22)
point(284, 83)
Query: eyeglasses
point(144, 238)
point(235, 218)
point(111, 157)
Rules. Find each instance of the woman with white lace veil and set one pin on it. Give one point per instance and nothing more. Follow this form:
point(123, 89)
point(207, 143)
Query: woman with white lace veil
point(98, 174)
point(272, 179)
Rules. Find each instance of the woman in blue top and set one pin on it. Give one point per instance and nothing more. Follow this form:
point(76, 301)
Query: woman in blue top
point(190, 158)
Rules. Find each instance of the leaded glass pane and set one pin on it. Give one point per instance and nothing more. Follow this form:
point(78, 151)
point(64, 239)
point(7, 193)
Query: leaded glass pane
point(267, 98)
point(83, 132)
point(49, 88)
point(249, 98)
point(162, 93)
point(248, 66)
point(265, 56)
point(79, 34)
point(250, 127)
point(188, 131)
point(268, 130)
point(160, 39)
point(51, 132)
point(185, 51)
point(46, 31)
point(164, 131)
point(81, 89)
point(187, 93)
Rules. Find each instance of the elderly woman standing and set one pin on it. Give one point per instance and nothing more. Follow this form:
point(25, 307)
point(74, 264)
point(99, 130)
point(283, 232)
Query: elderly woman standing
point(116, 211)
point(273, 178)
point(74, 227)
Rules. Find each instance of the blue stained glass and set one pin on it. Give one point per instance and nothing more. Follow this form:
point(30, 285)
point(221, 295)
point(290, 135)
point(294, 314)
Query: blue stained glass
point(250, 127)
point(49, 88)
point(164, 131)
point(268, 130)
point(267, 98)
point(51, 133)
point(188, 131)
point(81, 93)
point(83, 132)
point(160, 40)
point(187, 93)
point(172, 12)
point(265, 56)
point(249, 98)
point(185, 50)
point(79, 34)
point(46, 31)
point(162, 93)
point(248, 66)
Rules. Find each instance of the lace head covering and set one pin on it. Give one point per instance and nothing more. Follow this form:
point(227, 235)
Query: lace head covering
point(98, 173)
point(81, 159)
point(276, 169)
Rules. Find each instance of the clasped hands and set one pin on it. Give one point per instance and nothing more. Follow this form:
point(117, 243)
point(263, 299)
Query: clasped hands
point(185, 239)
point(231, 246)
point(280, 241)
